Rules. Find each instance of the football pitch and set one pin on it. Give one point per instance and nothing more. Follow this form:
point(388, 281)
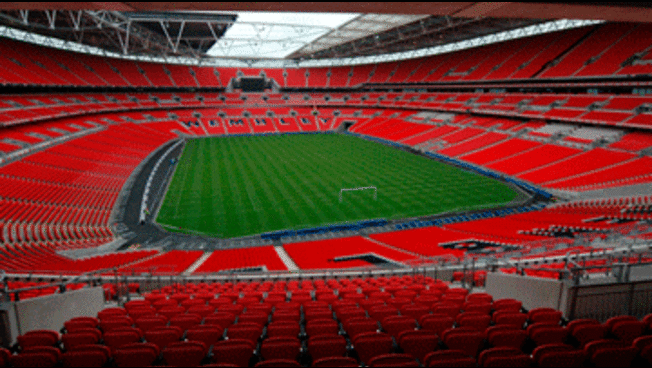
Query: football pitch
point(238, 186)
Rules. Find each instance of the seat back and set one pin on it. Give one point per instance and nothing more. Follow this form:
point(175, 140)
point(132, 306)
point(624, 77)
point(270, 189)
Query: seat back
point(322, 346)
point(280, 348)
point(184, 353)
point(371, 344)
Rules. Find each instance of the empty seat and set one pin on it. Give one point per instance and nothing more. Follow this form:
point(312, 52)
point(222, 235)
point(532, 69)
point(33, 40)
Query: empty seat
point(185, 321)
point(150, 322)
point(38, 338)
point(322, 327)
point(84, 359)
point(475, 320)
point(117, 338)
point(201, 310)
point(628, 330)
point(394, 325)
point(335, 362)
point(250, 332)
point(508, 317)
point(506, 336)
point(467, 340)
point(278, 363)
point(171, 311)
point(163, 336)
point(507, 304)
point(558, 355)
point(222, 319)
point(436, 323)
point(504, 357)
point(548, 315)
point(393, 360)
point(588, 332)
point(322, 346)
point(136, 355)
point(34, 359)
point(70, 340)
point(479, 297)
point(283, 328)
point(258, 318)
point(112, 322)
point(280, 348)
point(111, 312)
point(184, 353)
point(414, 311)
point(449, 358)
point(206, 334)
point(418, 343)
point(610, 353)
point(233, 351)
point(542, 334)
point(372, 344)
point(357, 326)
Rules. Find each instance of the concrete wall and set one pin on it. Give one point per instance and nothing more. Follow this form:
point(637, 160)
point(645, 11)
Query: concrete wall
point(534, 292)
point(51, 311)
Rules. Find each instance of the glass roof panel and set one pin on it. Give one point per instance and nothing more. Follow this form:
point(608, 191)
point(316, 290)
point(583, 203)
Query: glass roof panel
point(275, 35)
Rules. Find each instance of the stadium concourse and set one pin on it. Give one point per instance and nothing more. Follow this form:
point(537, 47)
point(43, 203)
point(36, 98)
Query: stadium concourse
point(486, 204)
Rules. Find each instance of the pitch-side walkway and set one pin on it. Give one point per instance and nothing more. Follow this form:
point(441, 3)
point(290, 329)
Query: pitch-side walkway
point(282, 254)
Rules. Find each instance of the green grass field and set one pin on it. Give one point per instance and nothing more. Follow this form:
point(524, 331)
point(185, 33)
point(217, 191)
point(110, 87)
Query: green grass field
point(237, 186)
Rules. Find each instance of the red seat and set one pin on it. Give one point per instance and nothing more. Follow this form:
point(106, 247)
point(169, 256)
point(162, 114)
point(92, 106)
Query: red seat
point(35, 359)
point(379, 312)
point(478, 321)
point(70, 340)
point(280, 348)
point(348, 313)
point(258, 318)
point(418, 343)
point(283, 328)
point(628, 330)
point(201, 310)
point(55, 352)
point(613, 356)
point(38, 338)
point(508, 317)
point(171, 311)
point(543, 334)
point(233, 351)
point(558, 355)
point(163, 336)
point(119, 338)
point(513, 337)
point(447, 309)
point(357, 326)
point(322, 346)
point(95, 348)
point(335, 362)
point(322, 327)
point(611, 322)
point(84, 359)
point(221, 319)
point(479, 297)
point(184, 353)
point(151, 322)
point(249, 332)
point(136, 355)
point(393, 360)
point(185, 321)
point(504, 357)
point(372, 344)
point(89, 320)
point(206, 334)
point(436, 323)
point(394, 325)
point(160, 304)
point(588, 332)
point(467, 340)
point(73, 326)
point(278, 363)
point(415, 311)
point(507, 304)
point(111, 312)
point(113, 322)
point(449, 358)
point(548, 315)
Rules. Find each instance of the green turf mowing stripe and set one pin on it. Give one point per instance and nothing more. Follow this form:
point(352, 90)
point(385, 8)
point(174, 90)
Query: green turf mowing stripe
point(238, 186)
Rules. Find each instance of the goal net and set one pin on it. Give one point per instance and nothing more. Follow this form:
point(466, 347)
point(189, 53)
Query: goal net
point(359, 188)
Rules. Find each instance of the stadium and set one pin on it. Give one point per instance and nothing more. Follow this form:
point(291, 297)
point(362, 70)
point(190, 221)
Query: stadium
point(326, 184)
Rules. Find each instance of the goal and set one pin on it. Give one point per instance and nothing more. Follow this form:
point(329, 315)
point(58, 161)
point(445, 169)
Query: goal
point(359, 188)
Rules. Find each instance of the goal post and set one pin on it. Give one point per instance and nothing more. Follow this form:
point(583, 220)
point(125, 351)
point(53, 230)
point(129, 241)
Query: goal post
point(359, 188)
